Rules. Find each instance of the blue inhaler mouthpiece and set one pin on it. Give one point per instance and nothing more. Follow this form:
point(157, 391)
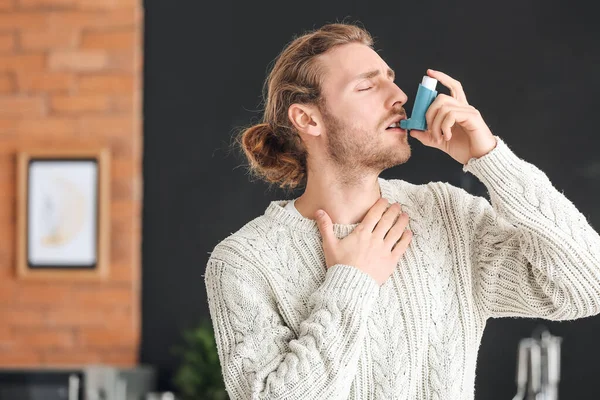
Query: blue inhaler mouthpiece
point(425, 96)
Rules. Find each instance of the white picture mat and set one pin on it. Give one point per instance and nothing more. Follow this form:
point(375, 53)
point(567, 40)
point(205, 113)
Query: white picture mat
point(62, 213)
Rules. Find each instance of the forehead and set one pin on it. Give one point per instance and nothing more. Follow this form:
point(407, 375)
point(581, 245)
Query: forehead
point(345, 62)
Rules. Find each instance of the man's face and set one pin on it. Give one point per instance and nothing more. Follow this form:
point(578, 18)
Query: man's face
point(360, 101)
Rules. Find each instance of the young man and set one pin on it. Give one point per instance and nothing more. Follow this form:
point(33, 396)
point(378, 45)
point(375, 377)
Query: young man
point(365, 288)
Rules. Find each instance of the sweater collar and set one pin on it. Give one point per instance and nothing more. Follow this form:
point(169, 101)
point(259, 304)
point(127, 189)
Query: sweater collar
point(276, 211)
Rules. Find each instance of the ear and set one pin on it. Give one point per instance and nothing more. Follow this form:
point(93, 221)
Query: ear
point(306, 119)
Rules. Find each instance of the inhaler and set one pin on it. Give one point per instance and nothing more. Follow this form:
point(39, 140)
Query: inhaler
point(425, 96)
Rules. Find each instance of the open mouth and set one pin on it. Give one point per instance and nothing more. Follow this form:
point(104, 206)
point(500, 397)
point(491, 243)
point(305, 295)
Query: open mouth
point(395, 125)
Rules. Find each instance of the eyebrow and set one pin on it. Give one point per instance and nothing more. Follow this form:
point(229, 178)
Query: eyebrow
point(374, 73)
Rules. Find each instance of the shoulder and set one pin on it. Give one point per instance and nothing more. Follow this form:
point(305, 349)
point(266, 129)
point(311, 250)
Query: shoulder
point(461, 206)
point(244, 245)
point(433, 195)
point(418, 194)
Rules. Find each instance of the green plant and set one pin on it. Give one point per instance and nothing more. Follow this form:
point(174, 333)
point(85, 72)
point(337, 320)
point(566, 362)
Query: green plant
point(199, 374)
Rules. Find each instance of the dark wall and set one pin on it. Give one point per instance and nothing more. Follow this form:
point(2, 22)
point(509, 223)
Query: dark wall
point(530, 67)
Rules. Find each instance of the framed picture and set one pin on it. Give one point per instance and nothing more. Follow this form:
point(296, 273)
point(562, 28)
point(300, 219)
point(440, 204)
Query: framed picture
point(63, 213)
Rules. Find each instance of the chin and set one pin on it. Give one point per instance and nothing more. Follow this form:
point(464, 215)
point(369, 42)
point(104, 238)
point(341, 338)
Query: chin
point(403, 154)
point(398, 157)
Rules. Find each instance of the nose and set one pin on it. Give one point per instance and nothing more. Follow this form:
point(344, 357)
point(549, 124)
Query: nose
point(397, 96)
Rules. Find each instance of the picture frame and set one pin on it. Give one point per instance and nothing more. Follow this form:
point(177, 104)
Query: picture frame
point(63, 205)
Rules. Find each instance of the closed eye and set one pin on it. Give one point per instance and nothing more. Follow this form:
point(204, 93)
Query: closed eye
point(362, 90)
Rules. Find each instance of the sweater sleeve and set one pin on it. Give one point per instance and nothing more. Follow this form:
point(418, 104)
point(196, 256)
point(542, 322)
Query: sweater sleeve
point(534, 253)
point(262, 358)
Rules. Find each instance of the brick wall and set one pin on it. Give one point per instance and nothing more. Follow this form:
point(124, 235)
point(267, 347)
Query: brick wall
point(70, 72)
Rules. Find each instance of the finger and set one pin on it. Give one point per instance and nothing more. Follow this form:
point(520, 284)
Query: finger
point(326, 228)
point(461, 116)
point(396, 232)
point(456, 89)
point(387, 220)
point(402, 245)
point(447, 124)
point(439, 102)
point(422, 136)
point(440, 128)
point(436, 124)
point(374, 215)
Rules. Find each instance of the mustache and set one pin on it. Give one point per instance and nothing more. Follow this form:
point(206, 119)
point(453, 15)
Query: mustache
point(397, 111)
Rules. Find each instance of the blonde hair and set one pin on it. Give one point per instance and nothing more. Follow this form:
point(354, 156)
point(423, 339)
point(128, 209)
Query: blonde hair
point(274, 149)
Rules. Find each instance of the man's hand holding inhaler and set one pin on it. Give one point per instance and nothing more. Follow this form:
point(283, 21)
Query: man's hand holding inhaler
point(454, 126)
point(451, 125)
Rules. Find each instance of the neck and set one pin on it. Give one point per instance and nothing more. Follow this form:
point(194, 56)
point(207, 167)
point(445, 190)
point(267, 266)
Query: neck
point(345, 202)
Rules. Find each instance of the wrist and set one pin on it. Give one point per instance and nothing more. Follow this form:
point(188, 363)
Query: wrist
point(485, 147)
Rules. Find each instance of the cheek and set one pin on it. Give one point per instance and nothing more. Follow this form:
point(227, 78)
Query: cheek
point(369, 109)
point(364, 114)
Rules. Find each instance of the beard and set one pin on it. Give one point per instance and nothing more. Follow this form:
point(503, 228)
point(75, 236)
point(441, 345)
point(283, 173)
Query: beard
point(357, 150)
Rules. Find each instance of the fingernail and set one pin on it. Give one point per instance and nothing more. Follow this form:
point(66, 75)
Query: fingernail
point(320, 213)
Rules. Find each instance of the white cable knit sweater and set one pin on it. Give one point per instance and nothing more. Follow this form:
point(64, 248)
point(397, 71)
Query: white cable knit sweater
point(289, 328)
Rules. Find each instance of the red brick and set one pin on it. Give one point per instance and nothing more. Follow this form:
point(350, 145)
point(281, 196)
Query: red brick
point(7, 194)
point(7, 84)
point(21, 106)
point(21, 358)
point(119, 40)
point(120, 126)
point(6, 335)
point(22, 62)
point(46, 81)
point(6, 256)
point(70, 357)
point(101, 297)
point(78, 61)
point(126, 103)
point(43, 40)
point(7, 292)
point(43, 294)
point(44, 338)
point(126, 358)
point(120, 60)
point(107, 338)
point(48, 127)
point(106, 4)
point(7, 163)
point(7, 186)
point(47, 4)
point(7, 42)
point(7, 128)
point(22, 20)
point(22, 317)
point(79, 104)
point(6, 159)
point(7, 214)
point(108, 83)
point(67, 315)
point(7, 5)
point(112, 19)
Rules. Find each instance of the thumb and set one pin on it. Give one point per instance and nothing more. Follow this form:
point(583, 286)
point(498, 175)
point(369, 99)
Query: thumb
point(421, 136)
point(325, 227)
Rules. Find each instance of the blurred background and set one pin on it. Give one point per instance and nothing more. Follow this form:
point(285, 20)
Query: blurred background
point(163, 86)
